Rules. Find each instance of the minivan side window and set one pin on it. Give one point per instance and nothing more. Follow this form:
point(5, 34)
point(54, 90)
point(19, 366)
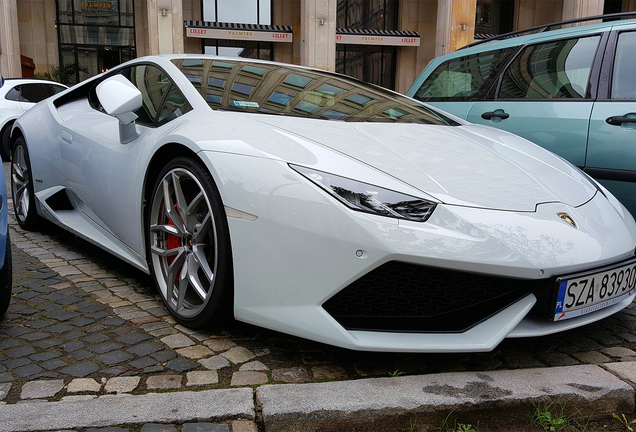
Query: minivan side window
point(623, 82)
point(463, 78)
point(552, 70)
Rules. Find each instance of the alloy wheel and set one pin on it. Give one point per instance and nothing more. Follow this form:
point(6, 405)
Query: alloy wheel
point(21, 178)
point(183, 243)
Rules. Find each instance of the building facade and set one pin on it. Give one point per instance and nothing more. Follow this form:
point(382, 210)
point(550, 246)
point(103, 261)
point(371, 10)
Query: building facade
point(386, 42)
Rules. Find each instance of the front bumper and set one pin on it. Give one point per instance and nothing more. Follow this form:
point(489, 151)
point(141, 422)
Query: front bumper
point(304, 248)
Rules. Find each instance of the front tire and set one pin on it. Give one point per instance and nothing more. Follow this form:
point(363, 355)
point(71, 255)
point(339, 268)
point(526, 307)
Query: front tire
point(22, 187)
point(5, 150)
point(189, 244)
point(6, 280)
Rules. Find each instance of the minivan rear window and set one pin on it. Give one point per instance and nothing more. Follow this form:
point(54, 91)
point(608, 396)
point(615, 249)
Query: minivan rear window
point(552, 70)
point(623, 82)
point(463, 78)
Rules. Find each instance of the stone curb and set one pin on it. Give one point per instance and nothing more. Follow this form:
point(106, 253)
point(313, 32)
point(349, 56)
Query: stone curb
point(387, 404)
point(209, 405)
point(392, 404)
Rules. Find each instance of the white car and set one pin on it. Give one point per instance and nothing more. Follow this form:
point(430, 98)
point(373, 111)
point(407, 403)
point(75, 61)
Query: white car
point(317, 205)
point(16, 97)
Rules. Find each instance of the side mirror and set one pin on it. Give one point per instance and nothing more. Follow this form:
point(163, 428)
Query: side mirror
point(120, 98)
point(1, 81)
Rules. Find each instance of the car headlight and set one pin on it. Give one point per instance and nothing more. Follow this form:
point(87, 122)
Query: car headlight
point(368, 198)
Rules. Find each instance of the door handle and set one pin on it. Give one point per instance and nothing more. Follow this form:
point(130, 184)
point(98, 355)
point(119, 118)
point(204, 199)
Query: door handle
point(619, 120)
point(67, 137)
point(490, 114)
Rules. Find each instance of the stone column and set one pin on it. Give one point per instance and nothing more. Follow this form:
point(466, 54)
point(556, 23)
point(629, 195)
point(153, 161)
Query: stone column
point(192, 11)
point(419, 16)
point(629, 6)
point(573, 9)
point(533, 13)
point(38, 35)
point(318, 33)
point(10, 64)
point(284, 13)
point(455, 25)
point(165, 26)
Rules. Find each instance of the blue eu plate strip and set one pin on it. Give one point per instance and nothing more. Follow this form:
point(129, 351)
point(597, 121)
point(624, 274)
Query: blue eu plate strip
point(563, 286)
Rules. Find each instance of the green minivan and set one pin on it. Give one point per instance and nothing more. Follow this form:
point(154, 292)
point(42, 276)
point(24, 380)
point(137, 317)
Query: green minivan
point(570, 90)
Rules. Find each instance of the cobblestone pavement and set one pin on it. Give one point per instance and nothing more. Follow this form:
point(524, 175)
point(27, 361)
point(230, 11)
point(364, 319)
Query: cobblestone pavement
point(83, 324)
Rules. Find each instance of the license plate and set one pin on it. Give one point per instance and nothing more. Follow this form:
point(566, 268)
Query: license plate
point(581, 294)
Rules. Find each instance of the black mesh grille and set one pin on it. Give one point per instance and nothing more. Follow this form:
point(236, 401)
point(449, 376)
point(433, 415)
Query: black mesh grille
point(407, 297)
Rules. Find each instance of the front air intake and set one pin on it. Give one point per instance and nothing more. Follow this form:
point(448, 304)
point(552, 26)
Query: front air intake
point(403, 297)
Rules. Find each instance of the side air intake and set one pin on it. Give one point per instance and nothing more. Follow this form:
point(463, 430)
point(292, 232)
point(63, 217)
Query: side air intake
point(59, 201)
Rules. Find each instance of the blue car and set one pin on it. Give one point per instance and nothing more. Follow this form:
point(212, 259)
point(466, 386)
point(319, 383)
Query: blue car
point(5, 248)
point(570, 90)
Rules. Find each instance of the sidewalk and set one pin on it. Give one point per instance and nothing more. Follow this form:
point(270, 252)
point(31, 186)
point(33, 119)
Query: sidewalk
point(375, 404)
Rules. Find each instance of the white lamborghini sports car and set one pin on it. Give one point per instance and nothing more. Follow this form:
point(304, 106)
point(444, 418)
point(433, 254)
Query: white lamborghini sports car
point(320, 206)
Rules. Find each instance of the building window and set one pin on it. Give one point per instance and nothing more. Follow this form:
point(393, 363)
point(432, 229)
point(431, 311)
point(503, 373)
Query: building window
point(375, 64)
point(238, 12)
point(369, 63)
point(493, 17)
point(238, 48)
point(94, 36)
point(367, 14)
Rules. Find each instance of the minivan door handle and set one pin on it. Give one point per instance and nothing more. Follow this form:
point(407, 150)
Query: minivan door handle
point(619, 120)
point(494, 114)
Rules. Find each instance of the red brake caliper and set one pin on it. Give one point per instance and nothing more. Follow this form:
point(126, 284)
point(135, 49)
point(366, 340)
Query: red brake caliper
point(173, 242)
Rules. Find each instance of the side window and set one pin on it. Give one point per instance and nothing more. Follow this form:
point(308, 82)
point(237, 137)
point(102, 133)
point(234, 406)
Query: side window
point(553, 70)
point(175, 105)
point(623, 82)
point(154, 85)
point(13, 94)
point(463, 78)
point(84, 90)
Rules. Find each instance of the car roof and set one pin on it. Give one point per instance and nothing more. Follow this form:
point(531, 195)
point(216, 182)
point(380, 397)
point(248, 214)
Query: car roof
point(561, 24)
point(515, 41)
point(540, 37)
point(17, 81)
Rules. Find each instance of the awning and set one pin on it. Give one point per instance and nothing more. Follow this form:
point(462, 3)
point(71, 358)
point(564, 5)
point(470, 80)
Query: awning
point(377, 37)
point(254, 32)
point(482, 36)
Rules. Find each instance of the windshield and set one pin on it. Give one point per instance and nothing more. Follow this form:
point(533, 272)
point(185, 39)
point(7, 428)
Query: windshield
point(286, 90)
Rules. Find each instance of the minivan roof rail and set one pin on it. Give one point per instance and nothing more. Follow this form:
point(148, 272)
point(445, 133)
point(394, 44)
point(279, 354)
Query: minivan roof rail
point(548, 27)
